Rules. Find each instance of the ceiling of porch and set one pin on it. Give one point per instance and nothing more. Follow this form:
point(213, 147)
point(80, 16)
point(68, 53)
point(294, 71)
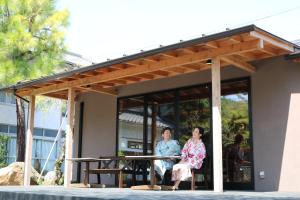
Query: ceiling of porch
point(238, 47)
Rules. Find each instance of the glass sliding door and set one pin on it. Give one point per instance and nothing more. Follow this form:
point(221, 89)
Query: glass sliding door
point(194, 110)
point(131, 126)
point(236, 136)
point(142, 118)
point(161, 112)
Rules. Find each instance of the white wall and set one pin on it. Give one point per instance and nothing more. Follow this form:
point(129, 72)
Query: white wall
point(99, 128)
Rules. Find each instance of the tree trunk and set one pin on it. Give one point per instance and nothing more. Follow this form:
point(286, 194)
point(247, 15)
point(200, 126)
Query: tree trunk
point(20, 130)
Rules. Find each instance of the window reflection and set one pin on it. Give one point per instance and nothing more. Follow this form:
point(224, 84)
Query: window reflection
point(237, 152)
point(142, 118)
point(131, 120)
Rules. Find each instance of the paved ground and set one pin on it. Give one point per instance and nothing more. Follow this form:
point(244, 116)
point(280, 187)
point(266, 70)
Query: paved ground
point(60, 193)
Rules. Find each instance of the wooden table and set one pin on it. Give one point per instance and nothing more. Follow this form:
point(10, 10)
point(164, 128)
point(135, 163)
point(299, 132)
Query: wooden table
point(126, 159)
point(151, 159)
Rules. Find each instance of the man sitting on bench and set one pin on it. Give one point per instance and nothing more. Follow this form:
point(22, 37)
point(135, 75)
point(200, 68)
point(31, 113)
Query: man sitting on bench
point(166, 147)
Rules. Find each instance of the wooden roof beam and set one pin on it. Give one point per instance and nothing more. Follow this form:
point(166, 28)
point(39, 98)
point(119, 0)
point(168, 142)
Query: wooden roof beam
point(132, 78)
point(133, 64)
point(212, 44)
point(107, 84)
point(272, 41)
point(161, 73)
point(150, 59)
point(169, 54)
point(146, 76)
point(270, 51)
point(118, 81)
point(99, 89)
point(146, 68)
point(239, 63)
point(189, 50)
point(198, 67)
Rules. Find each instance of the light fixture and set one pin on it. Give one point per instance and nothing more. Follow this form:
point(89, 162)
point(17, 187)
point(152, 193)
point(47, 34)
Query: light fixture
point(208, 62)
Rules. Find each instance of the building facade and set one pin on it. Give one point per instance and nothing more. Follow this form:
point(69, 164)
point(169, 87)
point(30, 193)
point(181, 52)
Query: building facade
point(242, 83)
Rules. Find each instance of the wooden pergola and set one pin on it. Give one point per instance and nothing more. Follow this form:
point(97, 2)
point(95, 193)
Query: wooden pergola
point(238, 47)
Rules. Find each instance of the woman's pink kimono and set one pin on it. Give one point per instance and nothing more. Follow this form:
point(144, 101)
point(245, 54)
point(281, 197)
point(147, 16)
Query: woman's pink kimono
point(192, 156)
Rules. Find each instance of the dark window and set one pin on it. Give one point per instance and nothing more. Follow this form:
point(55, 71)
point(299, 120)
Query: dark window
point(38, 132)
point(50, 133)
point(12, 129)
point(3, 128)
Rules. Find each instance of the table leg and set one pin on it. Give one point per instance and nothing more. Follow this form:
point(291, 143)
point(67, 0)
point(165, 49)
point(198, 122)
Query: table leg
point(152, 173)
point(87, 173)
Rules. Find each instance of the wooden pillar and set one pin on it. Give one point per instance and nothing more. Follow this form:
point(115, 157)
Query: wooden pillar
point(69, 138)
point(154, 126)
point(217, 125)
point(29, 133)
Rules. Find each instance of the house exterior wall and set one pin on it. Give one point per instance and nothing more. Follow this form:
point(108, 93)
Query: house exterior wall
point(275, 114)
point(276, 117)
point(99, 129)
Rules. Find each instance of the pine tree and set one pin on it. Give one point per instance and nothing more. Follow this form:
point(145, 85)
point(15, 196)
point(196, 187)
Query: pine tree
point(31, 45)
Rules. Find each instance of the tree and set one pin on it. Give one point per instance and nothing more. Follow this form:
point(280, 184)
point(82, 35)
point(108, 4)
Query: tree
point(31, 46)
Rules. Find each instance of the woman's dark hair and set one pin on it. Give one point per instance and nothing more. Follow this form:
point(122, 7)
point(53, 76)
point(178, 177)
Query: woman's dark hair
point(201, 130)
point(166, 128)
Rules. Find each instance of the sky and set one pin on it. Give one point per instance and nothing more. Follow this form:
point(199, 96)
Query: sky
point(101, 29)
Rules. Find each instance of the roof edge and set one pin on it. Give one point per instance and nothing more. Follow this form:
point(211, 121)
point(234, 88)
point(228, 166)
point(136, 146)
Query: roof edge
point(119, 60)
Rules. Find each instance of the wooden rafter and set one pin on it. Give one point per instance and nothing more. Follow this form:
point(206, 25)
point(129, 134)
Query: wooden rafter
point(148, 68)
point(238, 62)
point(169, 54)
point(272, 41)
point(98, 89)
point(161, 73)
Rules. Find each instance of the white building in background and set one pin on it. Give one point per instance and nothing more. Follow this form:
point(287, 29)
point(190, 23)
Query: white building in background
point(47, 122)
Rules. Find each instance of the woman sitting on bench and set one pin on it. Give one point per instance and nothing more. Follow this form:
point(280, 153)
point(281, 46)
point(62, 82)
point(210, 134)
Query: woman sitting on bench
point(192, 156)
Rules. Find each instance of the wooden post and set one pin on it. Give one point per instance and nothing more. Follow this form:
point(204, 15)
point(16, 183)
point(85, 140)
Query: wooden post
point(69, 138)
point(217, 125)
point(28, 152)
point(154, 126)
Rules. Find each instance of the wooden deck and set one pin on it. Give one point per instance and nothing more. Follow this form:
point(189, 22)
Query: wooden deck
point(61, 193)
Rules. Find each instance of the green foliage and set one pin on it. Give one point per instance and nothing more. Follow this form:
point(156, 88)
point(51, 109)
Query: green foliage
point(31, 39)
point(235, 120)
point(193, 114)
point(3, 150)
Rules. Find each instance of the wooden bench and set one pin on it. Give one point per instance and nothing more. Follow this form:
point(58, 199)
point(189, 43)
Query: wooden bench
point(106, 166)
point(118, 167)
